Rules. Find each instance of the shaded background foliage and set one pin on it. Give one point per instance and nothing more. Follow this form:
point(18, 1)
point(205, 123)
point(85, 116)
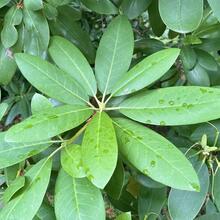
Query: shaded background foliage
point(26, 26)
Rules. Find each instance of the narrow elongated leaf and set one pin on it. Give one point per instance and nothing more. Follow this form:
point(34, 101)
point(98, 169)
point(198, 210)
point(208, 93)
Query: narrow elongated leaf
point(37, 33)
point(102, 7)
point(214, 4)
point(69, 58)
point(9, 34)
point(3, 109)
point(99, 150)
point(37, 181)
point(179, 17)
point(154, 156)
point(71, 160)
point(47, 124)
point(12, 153)
point(17, 184)
point(133, 8)
point(82, 200)
point(114, 54)
point(150, 202)
point(182, 202)
point(146, 72)
point(50, 80)
point(173, 106)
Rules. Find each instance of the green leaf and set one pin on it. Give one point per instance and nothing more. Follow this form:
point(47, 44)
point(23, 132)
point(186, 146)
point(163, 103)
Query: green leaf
point(4, 2)
point(36, 32)
point(150, 202)
point(101, 7)
point(154, 156)
point(40, 103)
point(3, 109)
point(213, 216)
point(124, 216)
point(71, 161)
point(9, 34)
point(69, 58)
point(45, 212)
point(173, 106)
point(48, 124)
point(12, 153)
point(114, 54)
point(216, 190)
point(182, 202)
point(82, 200)
point(50, 80)
point(116, 183)
point(188, 57)
point(16, 185)
point(33, 5)
point(214, 4)
point(146, 72)
point(133, 8)
point(37, 181)
point(99, 150)
point(182, 16)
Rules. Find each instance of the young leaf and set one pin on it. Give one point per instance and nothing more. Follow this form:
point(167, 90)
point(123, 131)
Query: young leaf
point(102, 7)
point(50, 80)
point(173, 106)
point(182, 202)
point(146, 72)
point(99, 150)
point(48, 124)
point(154, 156)
point(82, 200)
point(124, 216)
point(69, 58)
point(182, 16)
point(37, 181)
point(3, 109)
point(9, 34)
point(114, 54)
point(16, 185)
point(150, 202)
point(71, 161)
point(12, 153)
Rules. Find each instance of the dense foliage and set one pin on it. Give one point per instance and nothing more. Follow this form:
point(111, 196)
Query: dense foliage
point(109, 109)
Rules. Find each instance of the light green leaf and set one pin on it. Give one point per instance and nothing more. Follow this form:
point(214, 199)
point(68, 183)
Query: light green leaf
point(33, 5)
point(133, 8)
point(114, 54)
point(101, 7)
point(214, 4)
point(50, 80)
point(9, 34)
point(37, 33)
point(69, 58)
point(16, 185)
point(71, 161)
point(124, 216)
point(173, 106)
point(40, 103)
point(82, 200)
point(182, 16)
point(146, 72)
point(12, 153)
point(4, 2)
point(3, 109)
point(182, 202)
point(37, 181)
point(48, 124)
point(99, 150)
point(150, 202)
point(154, 156)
